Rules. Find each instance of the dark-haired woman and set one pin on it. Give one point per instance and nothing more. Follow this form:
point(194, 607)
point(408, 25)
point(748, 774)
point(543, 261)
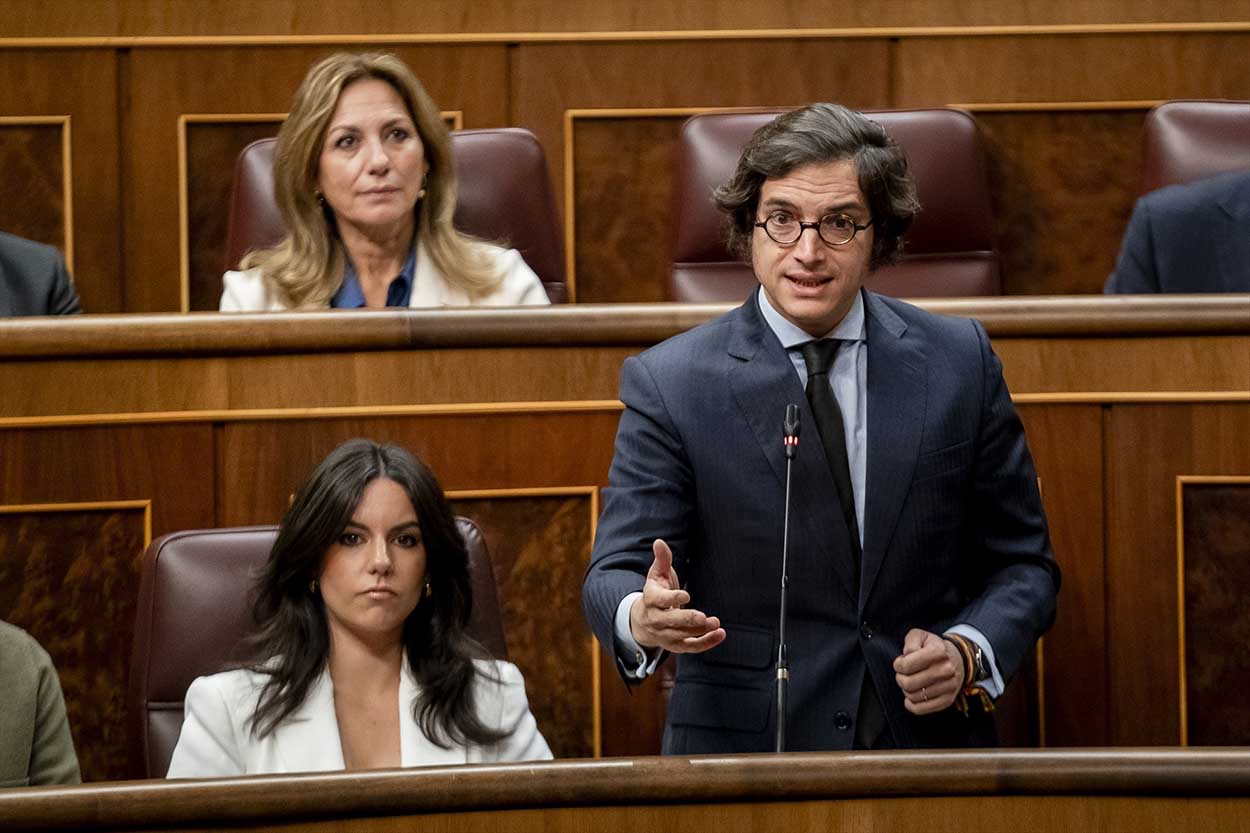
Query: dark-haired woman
point(362, 659)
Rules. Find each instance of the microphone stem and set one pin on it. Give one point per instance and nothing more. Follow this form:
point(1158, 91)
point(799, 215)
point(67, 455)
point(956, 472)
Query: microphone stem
point(783, 663)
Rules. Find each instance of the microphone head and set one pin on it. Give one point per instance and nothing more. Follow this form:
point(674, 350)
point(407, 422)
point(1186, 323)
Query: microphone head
point(792, 420)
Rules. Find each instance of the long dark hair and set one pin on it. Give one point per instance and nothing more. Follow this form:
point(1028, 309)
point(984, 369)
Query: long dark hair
point(292, 640)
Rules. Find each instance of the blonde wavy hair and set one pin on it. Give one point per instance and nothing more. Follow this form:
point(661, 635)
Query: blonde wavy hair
point(306, 267)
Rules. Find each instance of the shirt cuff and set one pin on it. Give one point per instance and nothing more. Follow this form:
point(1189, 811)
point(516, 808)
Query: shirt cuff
point(994, 685)
point(637, 661)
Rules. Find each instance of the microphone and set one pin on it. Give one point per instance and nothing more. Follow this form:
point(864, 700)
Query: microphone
point(790, 428)
point(790, 439)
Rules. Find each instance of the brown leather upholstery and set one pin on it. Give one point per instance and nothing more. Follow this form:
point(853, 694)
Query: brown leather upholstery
point(948, 251)
point(195, 607)
point(1189, 140)
point(505, 196)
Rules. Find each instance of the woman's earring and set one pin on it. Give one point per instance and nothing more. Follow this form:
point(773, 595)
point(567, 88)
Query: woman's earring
point(312, 587)
point(321, 200)
point(429, 591)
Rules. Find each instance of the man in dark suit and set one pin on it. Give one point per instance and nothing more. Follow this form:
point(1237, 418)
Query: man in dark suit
point(1188, 238)
point(33, 279)
point(920, 569)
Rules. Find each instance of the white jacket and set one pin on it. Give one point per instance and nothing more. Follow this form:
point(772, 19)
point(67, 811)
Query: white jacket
point(248, 292)
point(217, 741)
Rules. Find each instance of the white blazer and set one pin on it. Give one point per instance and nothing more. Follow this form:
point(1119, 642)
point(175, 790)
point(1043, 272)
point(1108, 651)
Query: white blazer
point(217, 741)
point(248, 291)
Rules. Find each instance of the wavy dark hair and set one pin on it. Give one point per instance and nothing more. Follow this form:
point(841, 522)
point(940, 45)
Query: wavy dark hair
point(291, 642)
point(813, 135)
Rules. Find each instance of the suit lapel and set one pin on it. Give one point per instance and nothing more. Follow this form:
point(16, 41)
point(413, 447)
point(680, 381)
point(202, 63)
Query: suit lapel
point(6, 302)
point(1234, 247)
point(896, 413)
point(308, 740)
point(763, 382)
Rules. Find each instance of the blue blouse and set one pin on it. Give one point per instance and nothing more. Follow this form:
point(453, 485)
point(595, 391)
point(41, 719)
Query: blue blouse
point(398, 294)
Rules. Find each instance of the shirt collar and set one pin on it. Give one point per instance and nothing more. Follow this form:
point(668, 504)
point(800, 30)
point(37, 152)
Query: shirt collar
point(850, 328)
point(398, 294)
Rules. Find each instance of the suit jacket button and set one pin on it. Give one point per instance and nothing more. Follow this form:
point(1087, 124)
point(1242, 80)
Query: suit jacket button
point(865, 631)
point(842, 721)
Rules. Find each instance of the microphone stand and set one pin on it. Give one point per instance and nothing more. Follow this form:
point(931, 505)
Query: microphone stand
point(791, 442)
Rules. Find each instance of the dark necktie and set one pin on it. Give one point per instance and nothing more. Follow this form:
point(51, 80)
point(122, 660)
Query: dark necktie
point(818, 355)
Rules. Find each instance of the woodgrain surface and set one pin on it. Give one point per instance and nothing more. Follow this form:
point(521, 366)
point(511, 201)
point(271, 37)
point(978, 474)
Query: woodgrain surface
point(1063, 185)
point(1215, 572)
point(211, 151)
point(81, 84)
point(34, 171)
point(72, 578)
point(1057, 68)
point(1067, 446)
point(139, 18)
point(1050, 791)
point(65, 574)
point(1148, 447)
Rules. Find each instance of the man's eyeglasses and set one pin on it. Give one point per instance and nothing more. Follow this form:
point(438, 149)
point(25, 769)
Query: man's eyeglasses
point(835, 229)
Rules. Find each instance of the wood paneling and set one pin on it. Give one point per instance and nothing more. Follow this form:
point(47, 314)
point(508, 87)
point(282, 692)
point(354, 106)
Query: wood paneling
point(539, 547)
point(71, 577)
point(1066, 442)
point(427, 377)
point(1220, 363)
point(62, 18)
point(121, 386)
point(81, 84)
point(167, 464)
point(1037, 814)
point(1215, 562)
point(64, 573)
point(1148, 447)
point(1062, 185)
point(1055, 68)
point(262, 463)
point(32, 191)
point(164, 84)
point(548, 79)
point(1181, 790)
point(211, 151)
point(623, 205)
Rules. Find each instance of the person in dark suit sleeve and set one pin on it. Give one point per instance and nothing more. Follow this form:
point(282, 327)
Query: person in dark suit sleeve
point(1188, 238)
point(920, 567)
point(33, 279)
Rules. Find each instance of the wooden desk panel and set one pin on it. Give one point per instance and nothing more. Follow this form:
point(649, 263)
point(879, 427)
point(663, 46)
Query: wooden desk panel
point(1062, 790)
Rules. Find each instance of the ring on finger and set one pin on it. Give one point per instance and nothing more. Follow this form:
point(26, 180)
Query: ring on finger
point(924, 694)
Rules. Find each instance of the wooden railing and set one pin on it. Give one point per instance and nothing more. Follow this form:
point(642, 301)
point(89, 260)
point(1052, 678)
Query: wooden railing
point(1056, 790)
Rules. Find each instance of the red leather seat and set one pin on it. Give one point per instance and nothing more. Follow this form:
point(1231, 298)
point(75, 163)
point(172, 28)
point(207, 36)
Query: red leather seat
point(195, 608)
point(504, 195)
point(949, 250)
point(1190, 140)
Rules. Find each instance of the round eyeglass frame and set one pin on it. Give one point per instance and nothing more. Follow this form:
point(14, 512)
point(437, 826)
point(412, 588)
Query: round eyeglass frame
point(855, 229)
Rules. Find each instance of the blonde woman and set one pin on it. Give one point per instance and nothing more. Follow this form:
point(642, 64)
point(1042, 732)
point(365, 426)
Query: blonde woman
point(364, 178)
